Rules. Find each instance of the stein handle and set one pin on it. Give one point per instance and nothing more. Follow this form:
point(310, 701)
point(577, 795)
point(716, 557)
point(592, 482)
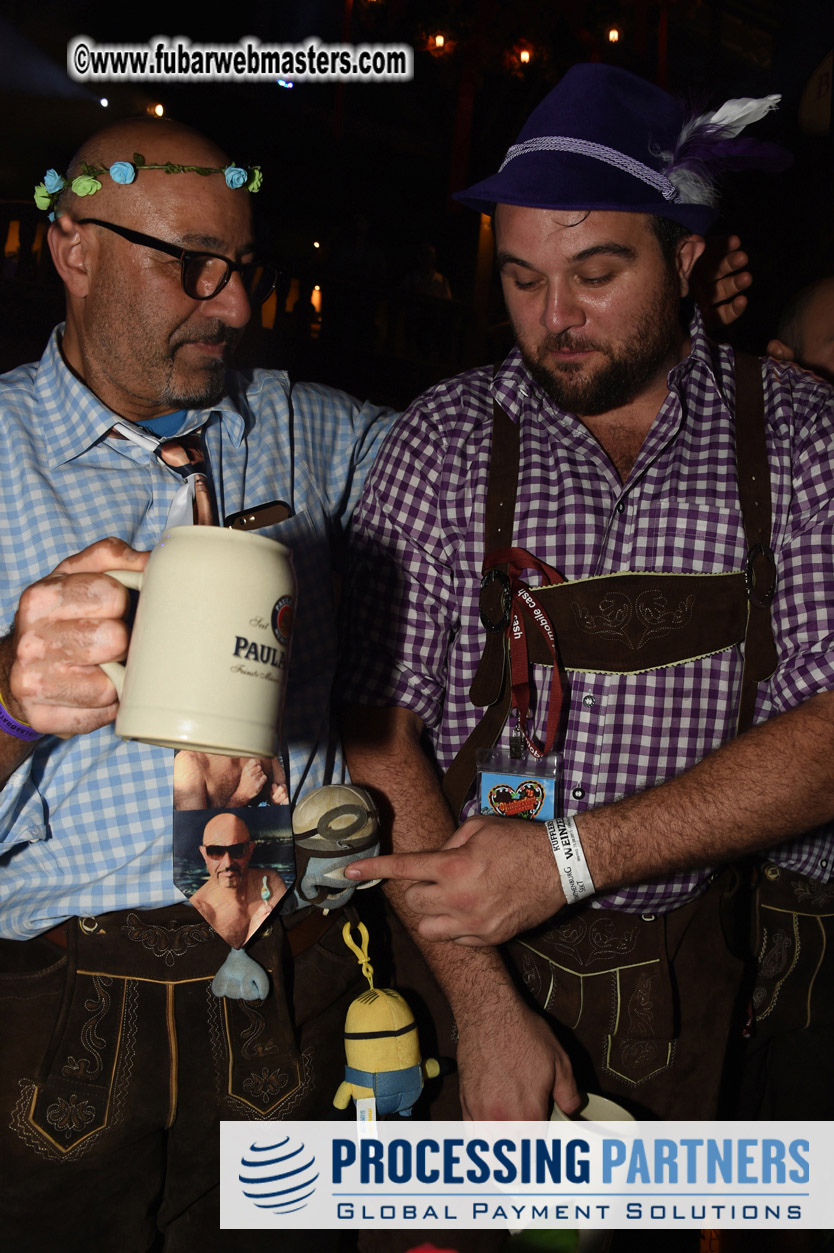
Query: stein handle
point(115, 670)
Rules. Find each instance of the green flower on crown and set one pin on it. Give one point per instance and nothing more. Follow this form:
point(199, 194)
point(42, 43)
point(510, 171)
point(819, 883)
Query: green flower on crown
point(85, 185)
point(43, 198)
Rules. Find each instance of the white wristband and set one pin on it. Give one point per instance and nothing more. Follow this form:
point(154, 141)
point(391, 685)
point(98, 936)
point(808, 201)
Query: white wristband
point(570, 859)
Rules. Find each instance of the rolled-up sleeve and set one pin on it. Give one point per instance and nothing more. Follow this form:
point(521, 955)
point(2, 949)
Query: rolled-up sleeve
point(803, 608)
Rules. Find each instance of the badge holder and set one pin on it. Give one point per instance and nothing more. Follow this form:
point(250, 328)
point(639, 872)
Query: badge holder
point(517, 787)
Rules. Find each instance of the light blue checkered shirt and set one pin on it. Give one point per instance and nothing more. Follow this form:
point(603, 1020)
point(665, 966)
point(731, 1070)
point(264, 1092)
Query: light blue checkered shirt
point(85, 823)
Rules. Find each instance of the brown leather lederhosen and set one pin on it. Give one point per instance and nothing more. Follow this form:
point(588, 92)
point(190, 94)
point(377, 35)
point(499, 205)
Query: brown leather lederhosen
point(664, 987)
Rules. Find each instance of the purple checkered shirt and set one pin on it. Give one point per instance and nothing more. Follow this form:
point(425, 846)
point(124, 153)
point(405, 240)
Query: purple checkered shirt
point(414, 633)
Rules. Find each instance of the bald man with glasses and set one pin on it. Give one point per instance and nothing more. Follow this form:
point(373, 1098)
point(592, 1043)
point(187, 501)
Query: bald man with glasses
point(117, 1062)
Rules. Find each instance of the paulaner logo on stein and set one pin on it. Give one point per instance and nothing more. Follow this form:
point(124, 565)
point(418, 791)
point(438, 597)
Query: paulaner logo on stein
point(207, 666)
point(282, 619)
point(266, 654)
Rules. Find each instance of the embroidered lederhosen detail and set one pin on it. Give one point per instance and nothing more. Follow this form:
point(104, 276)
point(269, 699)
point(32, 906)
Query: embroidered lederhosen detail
point(628, 622)
point(629, 956)
point(81, 1084)
point(632, 965)
point(133, 970)
point(84, 1092)
point(62, 1117)
point(265, 1071)
point(169, 943)
point(794, 924)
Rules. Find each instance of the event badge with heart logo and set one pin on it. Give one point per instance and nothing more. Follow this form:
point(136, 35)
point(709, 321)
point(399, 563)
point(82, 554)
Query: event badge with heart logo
point(523, 801)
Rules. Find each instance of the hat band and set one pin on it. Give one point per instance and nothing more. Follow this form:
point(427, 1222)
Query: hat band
point(599, 152)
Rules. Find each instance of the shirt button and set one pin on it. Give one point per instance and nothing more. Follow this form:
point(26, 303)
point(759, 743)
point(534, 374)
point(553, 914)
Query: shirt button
point(824, 862)
point(621, 506)
point(578, 793)
point(589, 701)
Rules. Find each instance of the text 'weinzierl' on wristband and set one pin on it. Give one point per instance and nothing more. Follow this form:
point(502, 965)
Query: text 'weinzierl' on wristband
point(570, 859)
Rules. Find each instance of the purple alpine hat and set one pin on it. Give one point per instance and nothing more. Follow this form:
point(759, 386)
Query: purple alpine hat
point(606, 139)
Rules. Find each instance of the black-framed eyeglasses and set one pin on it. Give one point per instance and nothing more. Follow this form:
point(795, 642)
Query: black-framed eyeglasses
point(235, 851)
point(202, 274)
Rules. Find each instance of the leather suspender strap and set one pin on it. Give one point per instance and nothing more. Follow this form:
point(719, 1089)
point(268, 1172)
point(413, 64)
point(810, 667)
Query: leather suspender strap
point(491, 684)
point(760, 657)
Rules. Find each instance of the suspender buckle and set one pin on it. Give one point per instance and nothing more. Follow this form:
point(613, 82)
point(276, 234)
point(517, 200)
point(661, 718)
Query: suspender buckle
point(493, 599)
point(760, 575)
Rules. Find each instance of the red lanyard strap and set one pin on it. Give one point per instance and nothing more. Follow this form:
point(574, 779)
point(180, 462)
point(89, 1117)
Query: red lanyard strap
point(517, 597)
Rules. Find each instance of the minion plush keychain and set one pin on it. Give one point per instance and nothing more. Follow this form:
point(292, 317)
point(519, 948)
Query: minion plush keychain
point(384, 1073)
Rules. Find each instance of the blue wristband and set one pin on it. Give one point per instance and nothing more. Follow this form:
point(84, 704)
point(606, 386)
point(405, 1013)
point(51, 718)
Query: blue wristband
point(20, 730)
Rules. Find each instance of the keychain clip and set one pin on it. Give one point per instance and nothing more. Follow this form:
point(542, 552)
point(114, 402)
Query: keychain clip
point(360, 953)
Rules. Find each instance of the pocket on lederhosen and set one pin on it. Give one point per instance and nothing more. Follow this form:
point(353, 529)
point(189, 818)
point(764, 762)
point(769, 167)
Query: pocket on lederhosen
point(605, 976)
point(794, 916)
point(72, 1082)
point(99, 1057)
point(612, 978)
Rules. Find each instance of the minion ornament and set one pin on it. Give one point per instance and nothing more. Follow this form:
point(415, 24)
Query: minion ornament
point(381, 1046)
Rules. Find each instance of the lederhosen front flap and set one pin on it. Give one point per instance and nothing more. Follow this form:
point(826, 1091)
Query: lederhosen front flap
point(629, 621)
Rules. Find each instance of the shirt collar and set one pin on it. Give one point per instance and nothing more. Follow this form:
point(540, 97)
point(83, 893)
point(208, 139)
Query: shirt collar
point(704, 355)
point(74, 419)
point(513, 386)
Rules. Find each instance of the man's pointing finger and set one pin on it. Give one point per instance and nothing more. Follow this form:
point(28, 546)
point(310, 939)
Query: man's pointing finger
point(419, 867)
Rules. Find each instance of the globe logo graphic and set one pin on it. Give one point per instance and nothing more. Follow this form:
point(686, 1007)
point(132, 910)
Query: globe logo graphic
point(279, 1177)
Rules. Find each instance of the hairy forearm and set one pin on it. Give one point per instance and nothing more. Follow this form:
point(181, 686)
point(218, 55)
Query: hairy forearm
point(774, 782)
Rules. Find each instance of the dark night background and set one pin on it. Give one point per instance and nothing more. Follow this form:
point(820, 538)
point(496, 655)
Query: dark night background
point(366, 170)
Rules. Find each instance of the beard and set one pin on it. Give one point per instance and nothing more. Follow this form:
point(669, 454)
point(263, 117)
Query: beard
point(626, 370)
point(208, 385)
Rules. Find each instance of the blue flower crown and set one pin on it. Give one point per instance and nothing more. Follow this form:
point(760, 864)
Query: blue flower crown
point(87, 183)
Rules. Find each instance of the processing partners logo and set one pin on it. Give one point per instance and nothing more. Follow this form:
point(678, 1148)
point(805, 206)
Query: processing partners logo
point(279, 1176)
point(510, 1176)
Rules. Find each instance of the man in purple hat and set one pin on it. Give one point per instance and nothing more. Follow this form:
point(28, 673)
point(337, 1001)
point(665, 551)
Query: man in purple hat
point(572, 581)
